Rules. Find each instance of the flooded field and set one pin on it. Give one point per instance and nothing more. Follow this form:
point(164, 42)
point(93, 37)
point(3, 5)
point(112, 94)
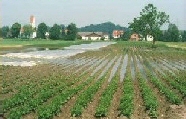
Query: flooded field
point(33, 56)
point(97, 80)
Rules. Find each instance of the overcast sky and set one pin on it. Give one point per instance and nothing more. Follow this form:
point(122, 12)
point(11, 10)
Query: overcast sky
point(85, 12)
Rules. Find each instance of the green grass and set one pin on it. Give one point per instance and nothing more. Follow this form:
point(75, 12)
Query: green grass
point(8, 43)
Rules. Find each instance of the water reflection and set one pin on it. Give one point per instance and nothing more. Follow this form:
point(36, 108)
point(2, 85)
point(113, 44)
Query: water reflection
point(48, 54)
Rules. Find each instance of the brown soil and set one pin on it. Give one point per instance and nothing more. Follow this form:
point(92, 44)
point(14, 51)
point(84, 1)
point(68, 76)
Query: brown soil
point(113, 113)
point(90, 111)
point(177, 112)
point(163, 103)
point(139, 108)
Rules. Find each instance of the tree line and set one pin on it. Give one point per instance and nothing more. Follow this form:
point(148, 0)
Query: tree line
point(149, 23)
point(56, 32)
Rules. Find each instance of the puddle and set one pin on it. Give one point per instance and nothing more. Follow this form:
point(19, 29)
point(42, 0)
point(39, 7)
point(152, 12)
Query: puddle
point(132, 68)
point(107, 67)
point(123, 68)
point(49, 55)
point(115, 68)
point(140, 66)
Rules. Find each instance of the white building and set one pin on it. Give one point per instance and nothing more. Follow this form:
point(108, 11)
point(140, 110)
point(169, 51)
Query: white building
point(149, 38)
point(93, 35)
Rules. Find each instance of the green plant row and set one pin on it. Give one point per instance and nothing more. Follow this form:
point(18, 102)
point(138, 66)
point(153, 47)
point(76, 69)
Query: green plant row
point(149, 98)
point(170, 95)
point(176, 85)
point(26, 93)
point(179, 78)
point(54, 107)
point(85, 97)
point(46, 92)
point(126, 106)
point(33, 103)
point(106, 98)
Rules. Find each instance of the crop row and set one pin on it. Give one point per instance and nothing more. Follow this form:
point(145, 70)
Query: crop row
point(25, 93)
point(126, 105)
point(85, 97)
point(30, 103)
point(54, 107)
point(148, 96)
point(33, 103)
point(176, 85)
point(170, 95)
point(163, 88)
point(106, 98)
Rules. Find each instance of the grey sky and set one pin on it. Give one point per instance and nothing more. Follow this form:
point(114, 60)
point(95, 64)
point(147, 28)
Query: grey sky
point(85, 12)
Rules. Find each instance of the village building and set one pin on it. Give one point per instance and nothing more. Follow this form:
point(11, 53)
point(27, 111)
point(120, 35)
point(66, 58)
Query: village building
point(117, 33)
point(33, 24)
point(149, 38)
point(93, 36)
point(135, 37)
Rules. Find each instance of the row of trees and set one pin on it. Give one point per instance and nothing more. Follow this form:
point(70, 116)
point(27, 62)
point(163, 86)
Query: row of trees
point(149, 23)
point(172, 34)
point(43, 31)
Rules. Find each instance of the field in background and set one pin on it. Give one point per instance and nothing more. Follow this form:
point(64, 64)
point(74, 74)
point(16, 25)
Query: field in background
point(9, 43)
point(127, 79)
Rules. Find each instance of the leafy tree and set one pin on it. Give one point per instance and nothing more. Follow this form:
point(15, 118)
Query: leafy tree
point(15, 30)
point(1, 33)
point(149, 22)
point(63, 34)
point(172, 34)
point(71, 31)
point(41, 30)
point(107, 27)
point(27, 30)
point(54, 32)
point(4, 31)
point(126, 35)
point(184, 36)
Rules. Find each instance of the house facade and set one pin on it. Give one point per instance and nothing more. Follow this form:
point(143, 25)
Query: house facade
point(149, 38)
point(134, 37)
point(117, 33)
point(93, 35)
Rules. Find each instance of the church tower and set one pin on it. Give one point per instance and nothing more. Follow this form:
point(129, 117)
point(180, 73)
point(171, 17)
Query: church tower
point(33, 24)
point(32, 21)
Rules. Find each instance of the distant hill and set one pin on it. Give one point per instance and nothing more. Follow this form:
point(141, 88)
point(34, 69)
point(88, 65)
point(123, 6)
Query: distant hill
point(103, 27)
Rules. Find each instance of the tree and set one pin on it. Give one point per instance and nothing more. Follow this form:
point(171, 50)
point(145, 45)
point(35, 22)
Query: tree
point(172, 34)
point(41, 30)
point(54, 32)
point(1, 33)
point(184, 36)
point(27, 30)
point(63, 34)
point(149, 22)
point(126, 35)
point(15, 30)
point(4, 31)
point(71, 31)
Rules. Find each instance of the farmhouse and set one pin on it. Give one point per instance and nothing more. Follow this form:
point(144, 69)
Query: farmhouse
point(134, 37)
point(149, 38)
point(117, 33)
point(93, 35)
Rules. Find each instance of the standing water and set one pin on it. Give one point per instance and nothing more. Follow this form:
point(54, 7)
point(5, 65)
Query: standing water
point(36, 57)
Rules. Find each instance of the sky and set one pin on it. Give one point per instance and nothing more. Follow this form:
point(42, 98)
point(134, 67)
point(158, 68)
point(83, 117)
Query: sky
point(86, 12)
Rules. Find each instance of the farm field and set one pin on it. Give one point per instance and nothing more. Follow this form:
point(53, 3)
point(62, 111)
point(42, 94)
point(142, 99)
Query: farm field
point(15, 45)
point(123, 80)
